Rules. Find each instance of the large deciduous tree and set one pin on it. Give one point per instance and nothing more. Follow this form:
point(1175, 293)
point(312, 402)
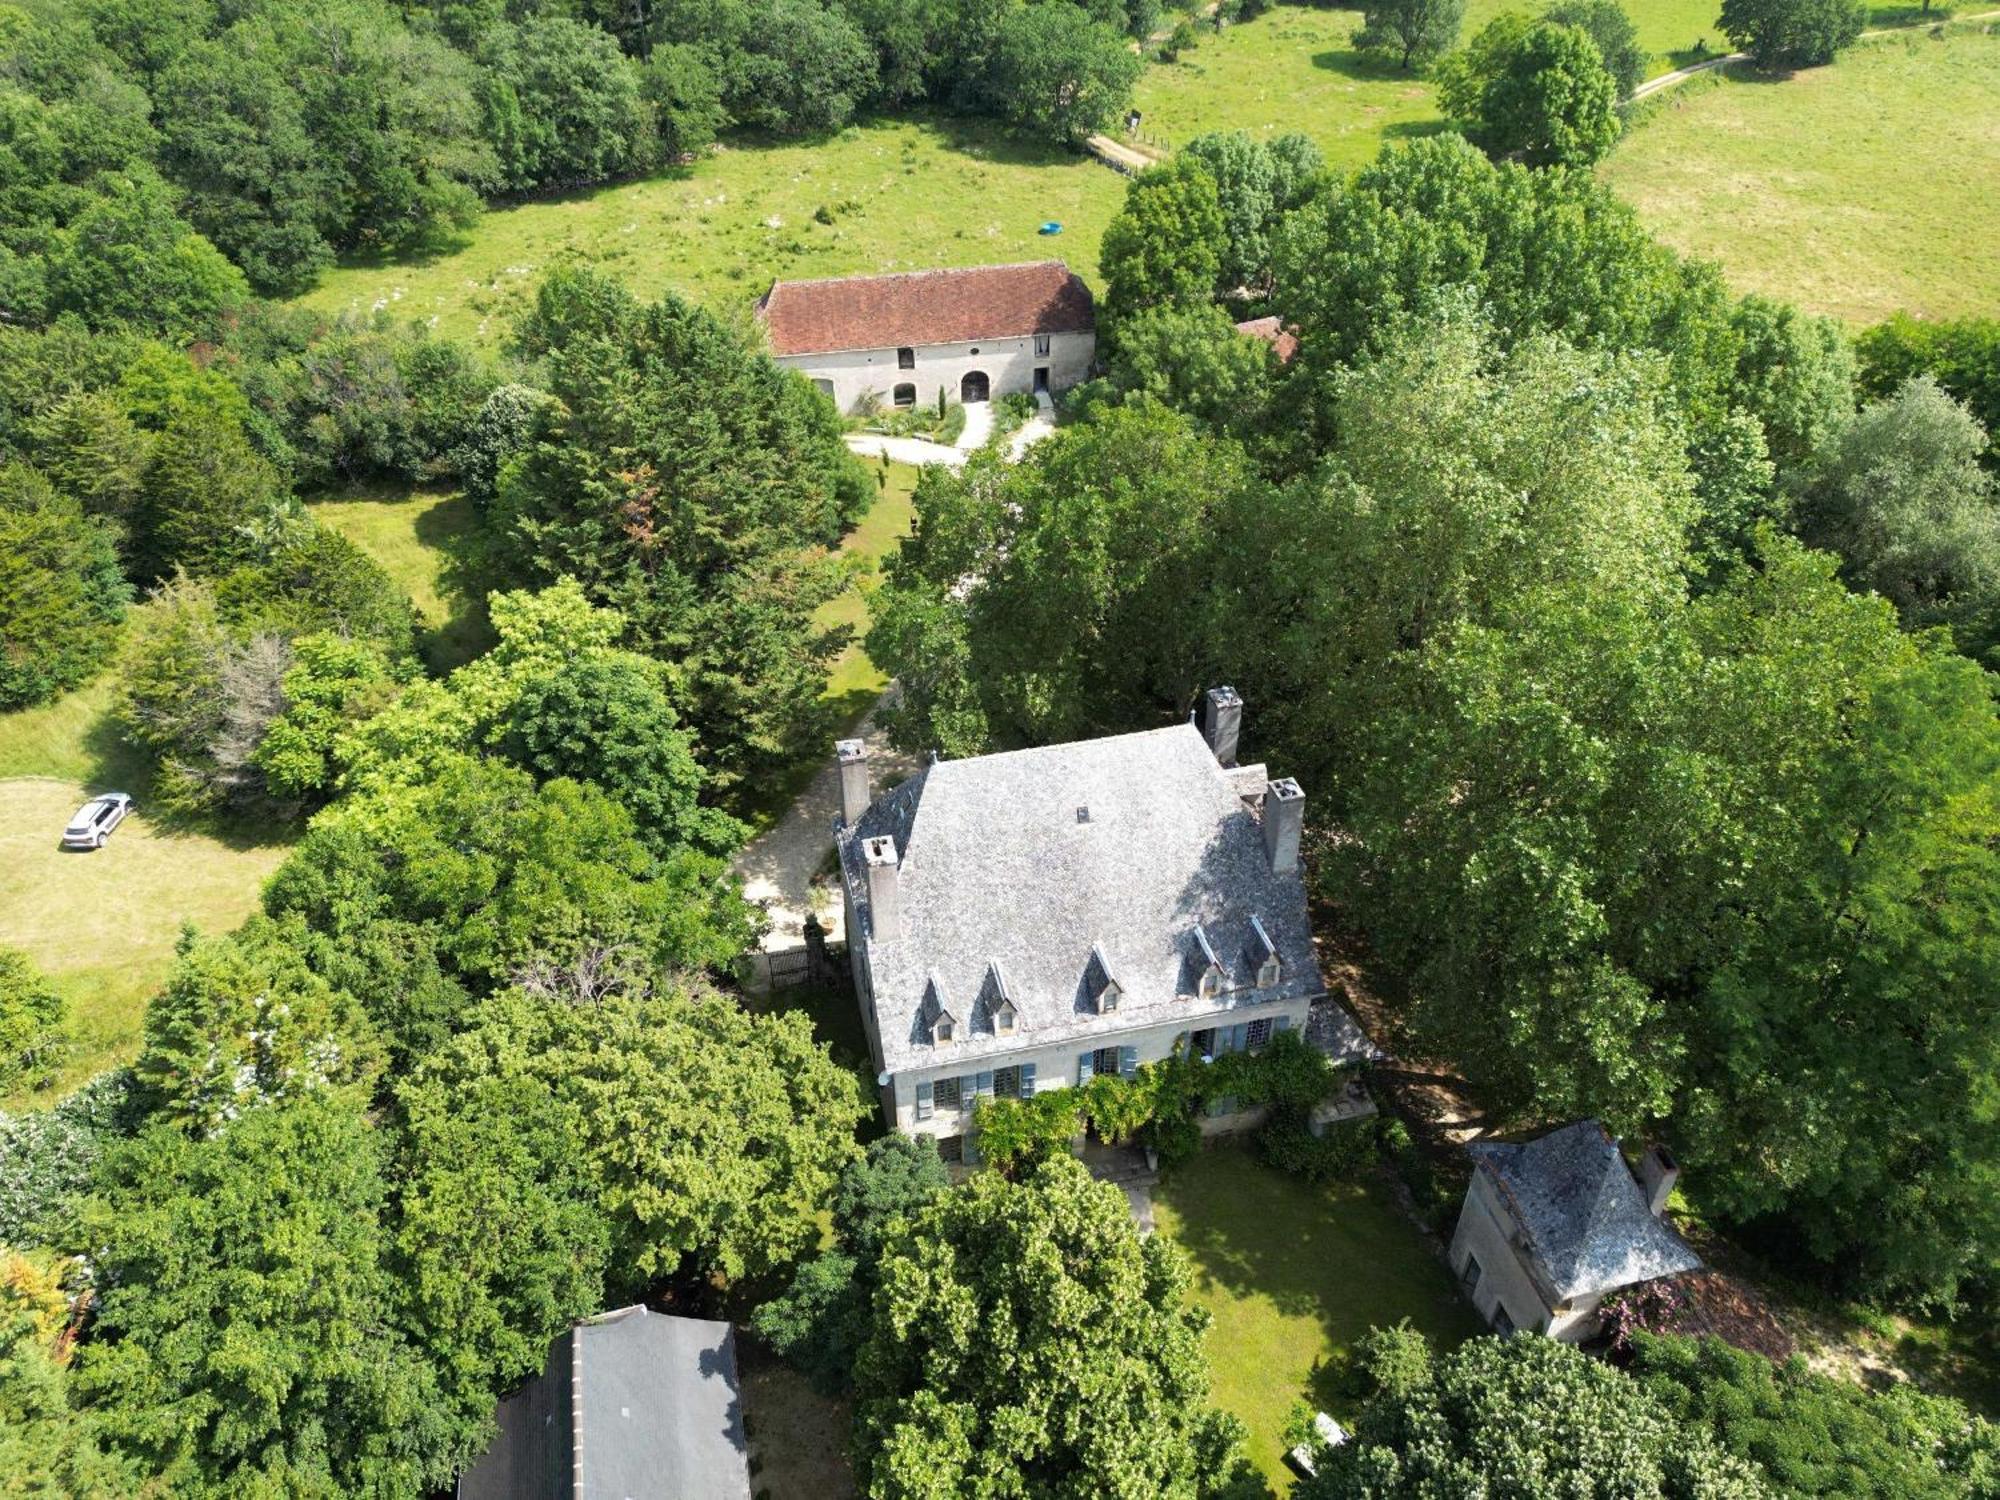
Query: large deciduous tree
point(1781, 34)
point(1059, 73)
point(1026, 1340)
point(1412, 31)
point(1551, 101)
point(711, 1137)
point(246, 1336)
point(1166, 246)
point(1516, 1416)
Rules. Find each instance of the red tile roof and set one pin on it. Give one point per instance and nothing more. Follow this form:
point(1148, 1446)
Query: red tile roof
point(1271, 331)
point(925, 307)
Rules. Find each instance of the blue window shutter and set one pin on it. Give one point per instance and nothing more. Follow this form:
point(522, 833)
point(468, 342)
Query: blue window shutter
point(924, 1100)
point(1027, 1080)
point(1085, 1067)
point(983, 1084)
point(1128, 1061)
point(1282, 1023)
point(1236, 1037)
point(968, 1086)
point(968, 1149)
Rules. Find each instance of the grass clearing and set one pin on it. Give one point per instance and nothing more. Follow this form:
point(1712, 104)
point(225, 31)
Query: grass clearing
point(1292, 1276)
point(902, 194)
point(103, 924)
point(1858, 189)
point(430, 543)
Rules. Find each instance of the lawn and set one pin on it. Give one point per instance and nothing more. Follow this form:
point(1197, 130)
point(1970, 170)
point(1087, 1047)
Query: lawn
point(1293, 68)
point(1858, 189)
point(429, 543)
point(901, 195)
point(1293, 1275)
point(103, 924)
point(854, 681)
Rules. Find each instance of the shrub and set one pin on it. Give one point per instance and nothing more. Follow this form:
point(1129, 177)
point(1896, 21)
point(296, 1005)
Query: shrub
point(31, 1023)
point(61, 593)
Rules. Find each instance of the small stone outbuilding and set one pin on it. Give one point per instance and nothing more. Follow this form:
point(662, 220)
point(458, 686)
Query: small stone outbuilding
point(1552, 1227)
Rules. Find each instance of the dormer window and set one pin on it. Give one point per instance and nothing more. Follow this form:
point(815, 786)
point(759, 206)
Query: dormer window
point(944, 1029)
point(1103, 991)
point(1003, 1020)
point(1264, 954)
point(1209, 977)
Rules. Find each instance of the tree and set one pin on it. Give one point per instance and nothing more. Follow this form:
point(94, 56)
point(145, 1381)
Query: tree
point(128, 258)
point(499, 1242)
point(1902, 497)
point(205, 490)
point(563, 106)
point(1611, 28)
point(49, 1157)
point(61, 592)
point(1962, 355)
point(1526, 1416)
point(1060, 74)
point(332, 683)
point(1194, 360)
point(1415, 31)
point(1097, 586)
point(505, 423)
point(1781, 34)
point(1549, 100)
point(31, 1023)
point(91, 449)
point(711, 1136)
point(689, 483)
point(1007, 1313)
point(820, 1320)
point(1816, 1435)
point(1795, 374)
point(247, 1338)
point(686, 100)
point(511, 880)
point(792, 66)
point(244, 1023)
point(1247, 184)
point(46, 1448)
point(1166, 245)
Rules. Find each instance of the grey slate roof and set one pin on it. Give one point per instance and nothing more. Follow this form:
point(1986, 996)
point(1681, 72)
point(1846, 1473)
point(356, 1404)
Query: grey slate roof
point(634, 1405)
point(1584, 1215)
point(1031, 859)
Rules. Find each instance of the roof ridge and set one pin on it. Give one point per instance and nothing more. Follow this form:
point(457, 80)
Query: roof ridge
point(1011, 265)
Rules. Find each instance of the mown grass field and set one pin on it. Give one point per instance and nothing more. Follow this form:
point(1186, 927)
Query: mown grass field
point(1294, 68)
point(429, 542)
point(902, 195)
point(1858, 189)
point(1292, 1276)
point(103, 924)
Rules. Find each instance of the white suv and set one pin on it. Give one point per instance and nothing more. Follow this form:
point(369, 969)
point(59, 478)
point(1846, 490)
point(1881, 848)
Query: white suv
point(94, 821)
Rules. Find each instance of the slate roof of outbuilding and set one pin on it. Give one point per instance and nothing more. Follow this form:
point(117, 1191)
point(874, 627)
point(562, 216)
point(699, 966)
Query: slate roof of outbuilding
point(1582, 1211)
point(1033, 858)
point(632, 1403)
point(925, 307)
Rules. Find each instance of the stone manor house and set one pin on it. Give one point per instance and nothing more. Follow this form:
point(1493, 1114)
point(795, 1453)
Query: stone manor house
point(1025, 921)
point(903, 340)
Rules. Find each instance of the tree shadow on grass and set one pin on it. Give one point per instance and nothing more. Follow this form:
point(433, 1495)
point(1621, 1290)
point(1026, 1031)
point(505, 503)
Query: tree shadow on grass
point(1365, 67)
point(456, 530)
point(1342, 1256)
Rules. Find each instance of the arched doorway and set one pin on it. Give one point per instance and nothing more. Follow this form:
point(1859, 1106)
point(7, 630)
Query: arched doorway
point(974, 387)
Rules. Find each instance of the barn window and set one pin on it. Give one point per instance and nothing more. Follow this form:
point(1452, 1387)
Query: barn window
point(906, 359)
point(905, 395)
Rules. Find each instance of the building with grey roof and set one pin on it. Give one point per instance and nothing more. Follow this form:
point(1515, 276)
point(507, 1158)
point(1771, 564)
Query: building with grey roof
point(1024, 921)
point(633, 1405)
point(1552, 1227)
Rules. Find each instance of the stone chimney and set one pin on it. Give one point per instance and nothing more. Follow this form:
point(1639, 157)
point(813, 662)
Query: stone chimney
point(1658, 1172)
point(1284, 822)
point(853, 758)
point(1221, 722)
point(885, 902)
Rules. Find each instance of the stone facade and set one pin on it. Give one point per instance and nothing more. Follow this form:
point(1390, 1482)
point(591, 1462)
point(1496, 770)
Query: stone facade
point(1054, 361)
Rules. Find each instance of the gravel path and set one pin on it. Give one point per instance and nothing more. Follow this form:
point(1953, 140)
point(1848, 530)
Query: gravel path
point(782, 867)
